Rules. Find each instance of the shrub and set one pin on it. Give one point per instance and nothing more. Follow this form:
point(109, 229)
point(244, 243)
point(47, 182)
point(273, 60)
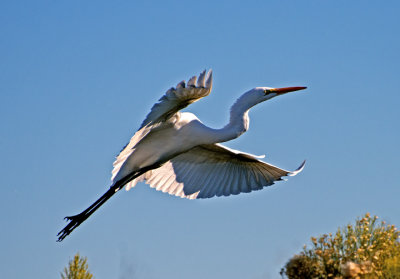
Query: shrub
point(300, 267)
point(77, 269)
point(364, 250)
point(391, 269)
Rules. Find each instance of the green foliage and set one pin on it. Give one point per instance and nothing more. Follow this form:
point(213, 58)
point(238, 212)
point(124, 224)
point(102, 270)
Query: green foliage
point(77, 269)
point(300, 267)
point(364, 250)
point(391, 269)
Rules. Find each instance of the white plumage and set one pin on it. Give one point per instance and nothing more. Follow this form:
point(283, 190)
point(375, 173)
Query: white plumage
point(212, 170)
point(176, 153)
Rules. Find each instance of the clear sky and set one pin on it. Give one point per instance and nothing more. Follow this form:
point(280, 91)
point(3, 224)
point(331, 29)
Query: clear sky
point(78, 77)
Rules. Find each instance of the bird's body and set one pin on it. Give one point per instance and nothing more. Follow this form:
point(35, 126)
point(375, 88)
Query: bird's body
point(164, 142)
point(176, 153)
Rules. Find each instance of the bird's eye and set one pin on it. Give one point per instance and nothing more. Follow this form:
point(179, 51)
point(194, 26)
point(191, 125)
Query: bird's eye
point(266, 91)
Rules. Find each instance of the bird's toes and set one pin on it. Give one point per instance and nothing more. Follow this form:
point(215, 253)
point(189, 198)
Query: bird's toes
point(74, 217)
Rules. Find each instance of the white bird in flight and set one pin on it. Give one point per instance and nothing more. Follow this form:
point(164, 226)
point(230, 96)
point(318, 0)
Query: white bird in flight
point(176, 153)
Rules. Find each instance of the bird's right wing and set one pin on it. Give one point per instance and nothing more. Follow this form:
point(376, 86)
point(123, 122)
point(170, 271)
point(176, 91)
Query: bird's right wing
point(213, 170)
point(179, 97)
point(168, 105)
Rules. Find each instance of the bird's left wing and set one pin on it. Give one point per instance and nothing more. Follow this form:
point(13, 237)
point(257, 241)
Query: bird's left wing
point(168, 105)
point(213, 170)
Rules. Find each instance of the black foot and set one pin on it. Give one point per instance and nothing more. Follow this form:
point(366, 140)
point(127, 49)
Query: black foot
point(74, 217)
point(74, 221)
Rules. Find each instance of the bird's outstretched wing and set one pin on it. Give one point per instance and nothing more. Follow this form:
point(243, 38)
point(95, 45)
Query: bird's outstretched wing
point(213, 170)
point(168, 105)
point(179, 97)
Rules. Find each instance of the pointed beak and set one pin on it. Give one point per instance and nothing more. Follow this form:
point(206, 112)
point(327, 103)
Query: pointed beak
point(284, 90)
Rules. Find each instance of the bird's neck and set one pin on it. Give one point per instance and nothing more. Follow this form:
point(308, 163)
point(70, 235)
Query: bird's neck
point(238, 122)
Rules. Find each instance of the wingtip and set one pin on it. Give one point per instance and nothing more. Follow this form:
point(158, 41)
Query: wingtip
point(298, 170)
point(181, 85)
point(192, 81)
point(209, 79)
point(201, 79)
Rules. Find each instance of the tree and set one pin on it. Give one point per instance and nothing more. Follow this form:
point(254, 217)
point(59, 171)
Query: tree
point(77, 269)
point(368, 249)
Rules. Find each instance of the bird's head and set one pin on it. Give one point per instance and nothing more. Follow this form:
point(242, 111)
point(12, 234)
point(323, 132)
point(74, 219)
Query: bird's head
point(261, 94)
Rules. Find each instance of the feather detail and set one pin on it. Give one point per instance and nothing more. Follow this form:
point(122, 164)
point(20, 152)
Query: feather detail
point(214, 170)
point(178, 98)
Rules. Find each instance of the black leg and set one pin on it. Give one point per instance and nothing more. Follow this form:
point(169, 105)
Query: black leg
point(76, 220)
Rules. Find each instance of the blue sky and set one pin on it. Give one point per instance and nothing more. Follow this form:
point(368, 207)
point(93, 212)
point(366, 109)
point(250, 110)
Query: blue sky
point(78, 77)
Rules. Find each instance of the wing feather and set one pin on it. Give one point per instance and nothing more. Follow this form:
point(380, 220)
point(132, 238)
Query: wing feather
point(178, 98)
point(232, 178)
point(214, 170)
point(228, 189)
point(223, 181)
point(192, 81)
point(212, 177)
point(168, 181)
point(194, 178)
point(235, 188)
point(165, 109)
point(159, 178)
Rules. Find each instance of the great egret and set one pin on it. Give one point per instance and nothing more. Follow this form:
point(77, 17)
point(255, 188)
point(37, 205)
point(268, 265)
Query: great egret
point(176, 153)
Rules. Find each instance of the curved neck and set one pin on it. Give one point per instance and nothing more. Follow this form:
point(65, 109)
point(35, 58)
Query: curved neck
point(238, 123)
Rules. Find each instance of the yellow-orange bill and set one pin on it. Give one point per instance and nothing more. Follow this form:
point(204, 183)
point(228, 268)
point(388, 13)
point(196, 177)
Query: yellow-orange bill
point(284, 90)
